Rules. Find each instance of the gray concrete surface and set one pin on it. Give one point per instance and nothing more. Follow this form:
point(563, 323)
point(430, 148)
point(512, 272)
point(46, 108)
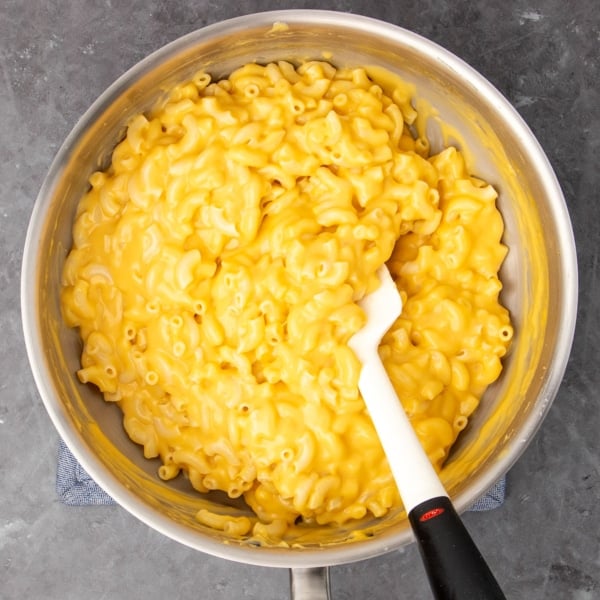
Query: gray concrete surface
point(56, 57)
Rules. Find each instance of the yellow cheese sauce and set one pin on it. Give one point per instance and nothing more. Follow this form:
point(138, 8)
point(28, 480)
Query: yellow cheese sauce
point(499, 423)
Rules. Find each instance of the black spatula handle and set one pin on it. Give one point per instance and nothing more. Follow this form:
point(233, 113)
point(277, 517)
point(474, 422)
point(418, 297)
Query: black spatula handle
point(455, 567)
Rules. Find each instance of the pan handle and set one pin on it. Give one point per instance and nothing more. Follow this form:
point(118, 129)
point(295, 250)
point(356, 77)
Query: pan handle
point(310, 584)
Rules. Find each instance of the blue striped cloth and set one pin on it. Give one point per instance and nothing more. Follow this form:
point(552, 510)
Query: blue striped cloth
point(76, 488)
point(73, 485)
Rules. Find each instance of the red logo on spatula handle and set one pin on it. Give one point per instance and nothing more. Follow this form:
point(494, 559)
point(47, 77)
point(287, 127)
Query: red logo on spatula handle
point(431, 514)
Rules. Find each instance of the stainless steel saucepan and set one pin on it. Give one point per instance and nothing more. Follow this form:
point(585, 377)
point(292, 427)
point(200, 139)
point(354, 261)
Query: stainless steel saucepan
point(539, 276)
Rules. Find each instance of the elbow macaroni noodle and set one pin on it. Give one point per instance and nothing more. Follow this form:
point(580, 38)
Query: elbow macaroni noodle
point(214, 275)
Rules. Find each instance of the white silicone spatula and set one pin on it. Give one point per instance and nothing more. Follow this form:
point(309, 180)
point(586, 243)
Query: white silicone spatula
point(414, 474)
point(454, 565)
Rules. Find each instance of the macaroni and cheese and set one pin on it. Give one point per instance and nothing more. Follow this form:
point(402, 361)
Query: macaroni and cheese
point(214, 278)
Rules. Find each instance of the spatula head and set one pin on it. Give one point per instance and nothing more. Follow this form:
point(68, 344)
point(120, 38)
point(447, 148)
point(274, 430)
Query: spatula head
point(382, 307)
